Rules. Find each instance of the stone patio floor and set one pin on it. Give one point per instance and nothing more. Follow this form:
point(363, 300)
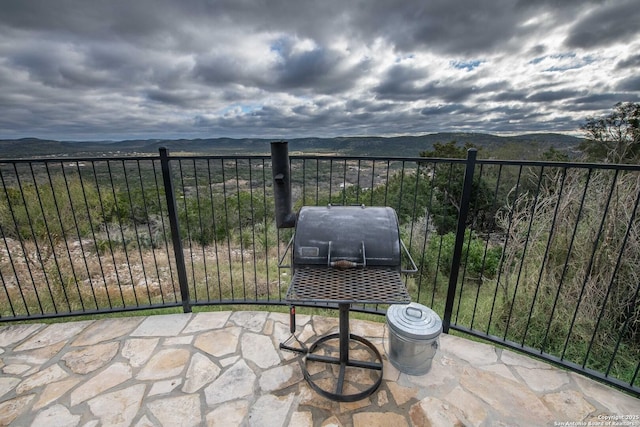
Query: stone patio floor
point(225, 368)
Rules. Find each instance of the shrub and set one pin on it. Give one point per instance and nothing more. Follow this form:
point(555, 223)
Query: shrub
point(480, 259)
point(50, 210)
point(573, 258)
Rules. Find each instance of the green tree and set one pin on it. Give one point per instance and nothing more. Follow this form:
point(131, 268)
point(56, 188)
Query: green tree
point(447, 189)
point(615, 137)
point(553, 155)
point(449, 150)
point(407, 192)
point(479, 258)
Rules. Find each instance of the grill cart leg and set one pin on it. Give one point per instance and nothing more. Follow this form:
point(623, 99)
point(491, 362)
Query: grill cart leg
point(344, 338)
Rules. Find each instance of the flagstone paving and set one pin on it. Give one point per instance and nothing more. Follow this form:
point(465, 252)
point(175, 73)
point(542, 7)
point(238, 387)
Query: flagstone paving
point(225, 369)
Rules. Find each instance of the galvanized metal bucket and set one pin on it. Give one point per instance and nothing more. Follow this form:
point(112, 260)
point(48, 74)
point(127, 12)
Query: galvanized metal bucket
point(413, 337)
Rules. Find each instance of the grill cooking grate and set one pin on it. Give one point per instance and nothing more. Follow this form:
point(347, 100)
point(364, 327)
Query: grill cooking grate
point(367, 286)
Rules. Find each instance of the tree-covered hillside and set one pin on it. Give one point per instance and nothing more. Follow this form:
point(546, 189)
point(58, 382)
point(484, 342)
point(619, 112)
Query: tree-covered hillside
point(527, 146)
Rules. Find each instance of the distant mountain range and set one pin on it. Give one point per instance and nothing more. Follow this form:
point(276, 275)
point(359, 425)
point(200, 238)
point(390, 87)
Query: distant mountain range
point(515, 147)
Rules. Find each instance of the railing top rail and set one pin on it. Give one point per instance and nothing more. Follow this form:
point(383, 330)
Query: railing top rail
point(219, 157)
point(320, 157)
point(228, 157)
point(79, 159)
point(580, 165)
point(380, 158)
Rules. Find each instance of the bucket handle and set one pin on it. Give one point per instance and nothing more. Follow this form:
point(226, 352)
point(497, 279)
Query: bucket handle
point(410, 309)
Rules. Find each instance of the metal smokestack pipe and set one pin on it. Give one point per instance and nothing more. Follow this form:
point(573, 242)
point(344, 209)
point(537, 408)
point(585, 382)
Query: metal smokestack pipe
point(285, 218)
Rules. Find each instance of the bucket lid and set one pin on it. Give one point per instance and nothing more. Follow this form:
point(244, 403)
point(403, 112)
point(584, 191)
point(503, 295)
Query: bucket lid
point(414, 321)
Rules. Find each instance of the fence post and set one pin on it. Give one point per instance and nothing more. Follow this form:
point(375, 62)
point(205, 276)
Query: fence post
point(465, 201)
point(175, 229)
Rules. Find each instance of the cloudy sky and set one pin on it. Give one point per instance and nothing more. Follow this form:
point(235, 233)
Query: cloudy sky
point(119, 69)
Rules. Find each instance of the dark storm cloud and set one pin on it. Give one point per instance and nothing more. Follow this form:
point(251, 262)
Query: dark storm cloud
point(599, 101)
point(552, 95)
point(143, 20)
point(445, 27)
point(75, 69)
point(612, 22)
point(630, 62)
point(452, 92)
point(400, 81)
point(630, 84)
point(369, 106)
point(178, 98)
point(218, 69)
point(405, 84)
point(442, 109)
point(323, 69)
point(320, 69)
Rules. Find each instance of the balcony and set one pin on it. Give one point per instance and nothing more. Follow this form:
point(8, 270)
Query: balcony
point(537, 258)
point(225, 368)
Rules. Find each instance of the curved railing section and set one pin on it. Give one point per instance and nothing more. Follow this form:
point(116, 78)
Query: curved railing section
point(542, 257)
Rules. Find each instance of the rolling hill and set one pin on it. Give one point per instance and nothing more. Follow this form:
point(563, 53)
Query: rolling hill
point(527, 146)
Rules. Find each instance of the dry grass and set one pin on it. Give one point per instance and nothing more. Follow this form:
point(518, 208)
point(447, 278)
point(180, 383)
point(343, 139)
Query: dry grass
point(74, 276)
point(571, 270)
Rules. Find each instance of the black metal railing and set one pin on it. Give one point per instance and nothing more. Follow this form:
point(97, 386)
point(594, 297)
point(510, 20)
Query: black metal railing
point(542, 257)
point(565, 286)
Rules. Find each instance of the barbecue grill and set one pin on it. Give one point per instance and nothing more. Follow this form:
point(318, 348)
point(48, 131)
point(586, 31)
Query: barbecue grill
point(340, 255)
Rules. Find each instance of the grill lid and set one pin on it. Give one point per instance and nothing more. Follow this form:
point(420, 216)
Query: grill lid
point(357, 234)
point(414, 321)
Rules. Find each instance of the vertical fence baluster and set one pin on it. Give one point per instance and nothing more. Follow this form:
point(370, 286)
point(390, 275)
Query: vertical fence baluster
point(422, 263)
point(175, 229)
point(152, 243)
point(105, 214)
point(164, 228)
point(501, 266)
point(526, 245)
point(77, 228)
point(135, 230)
point(612, 281)
point(465, 201)
point(20, 240)
point(227, 227)
point(45, 221)
point(596, 243)
point(266, 229)
point(124, 239)
point(486, 246)
point(240, 232)
point(203, 237)
point(93, 235)
point(253, 232)
point(566, 263)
